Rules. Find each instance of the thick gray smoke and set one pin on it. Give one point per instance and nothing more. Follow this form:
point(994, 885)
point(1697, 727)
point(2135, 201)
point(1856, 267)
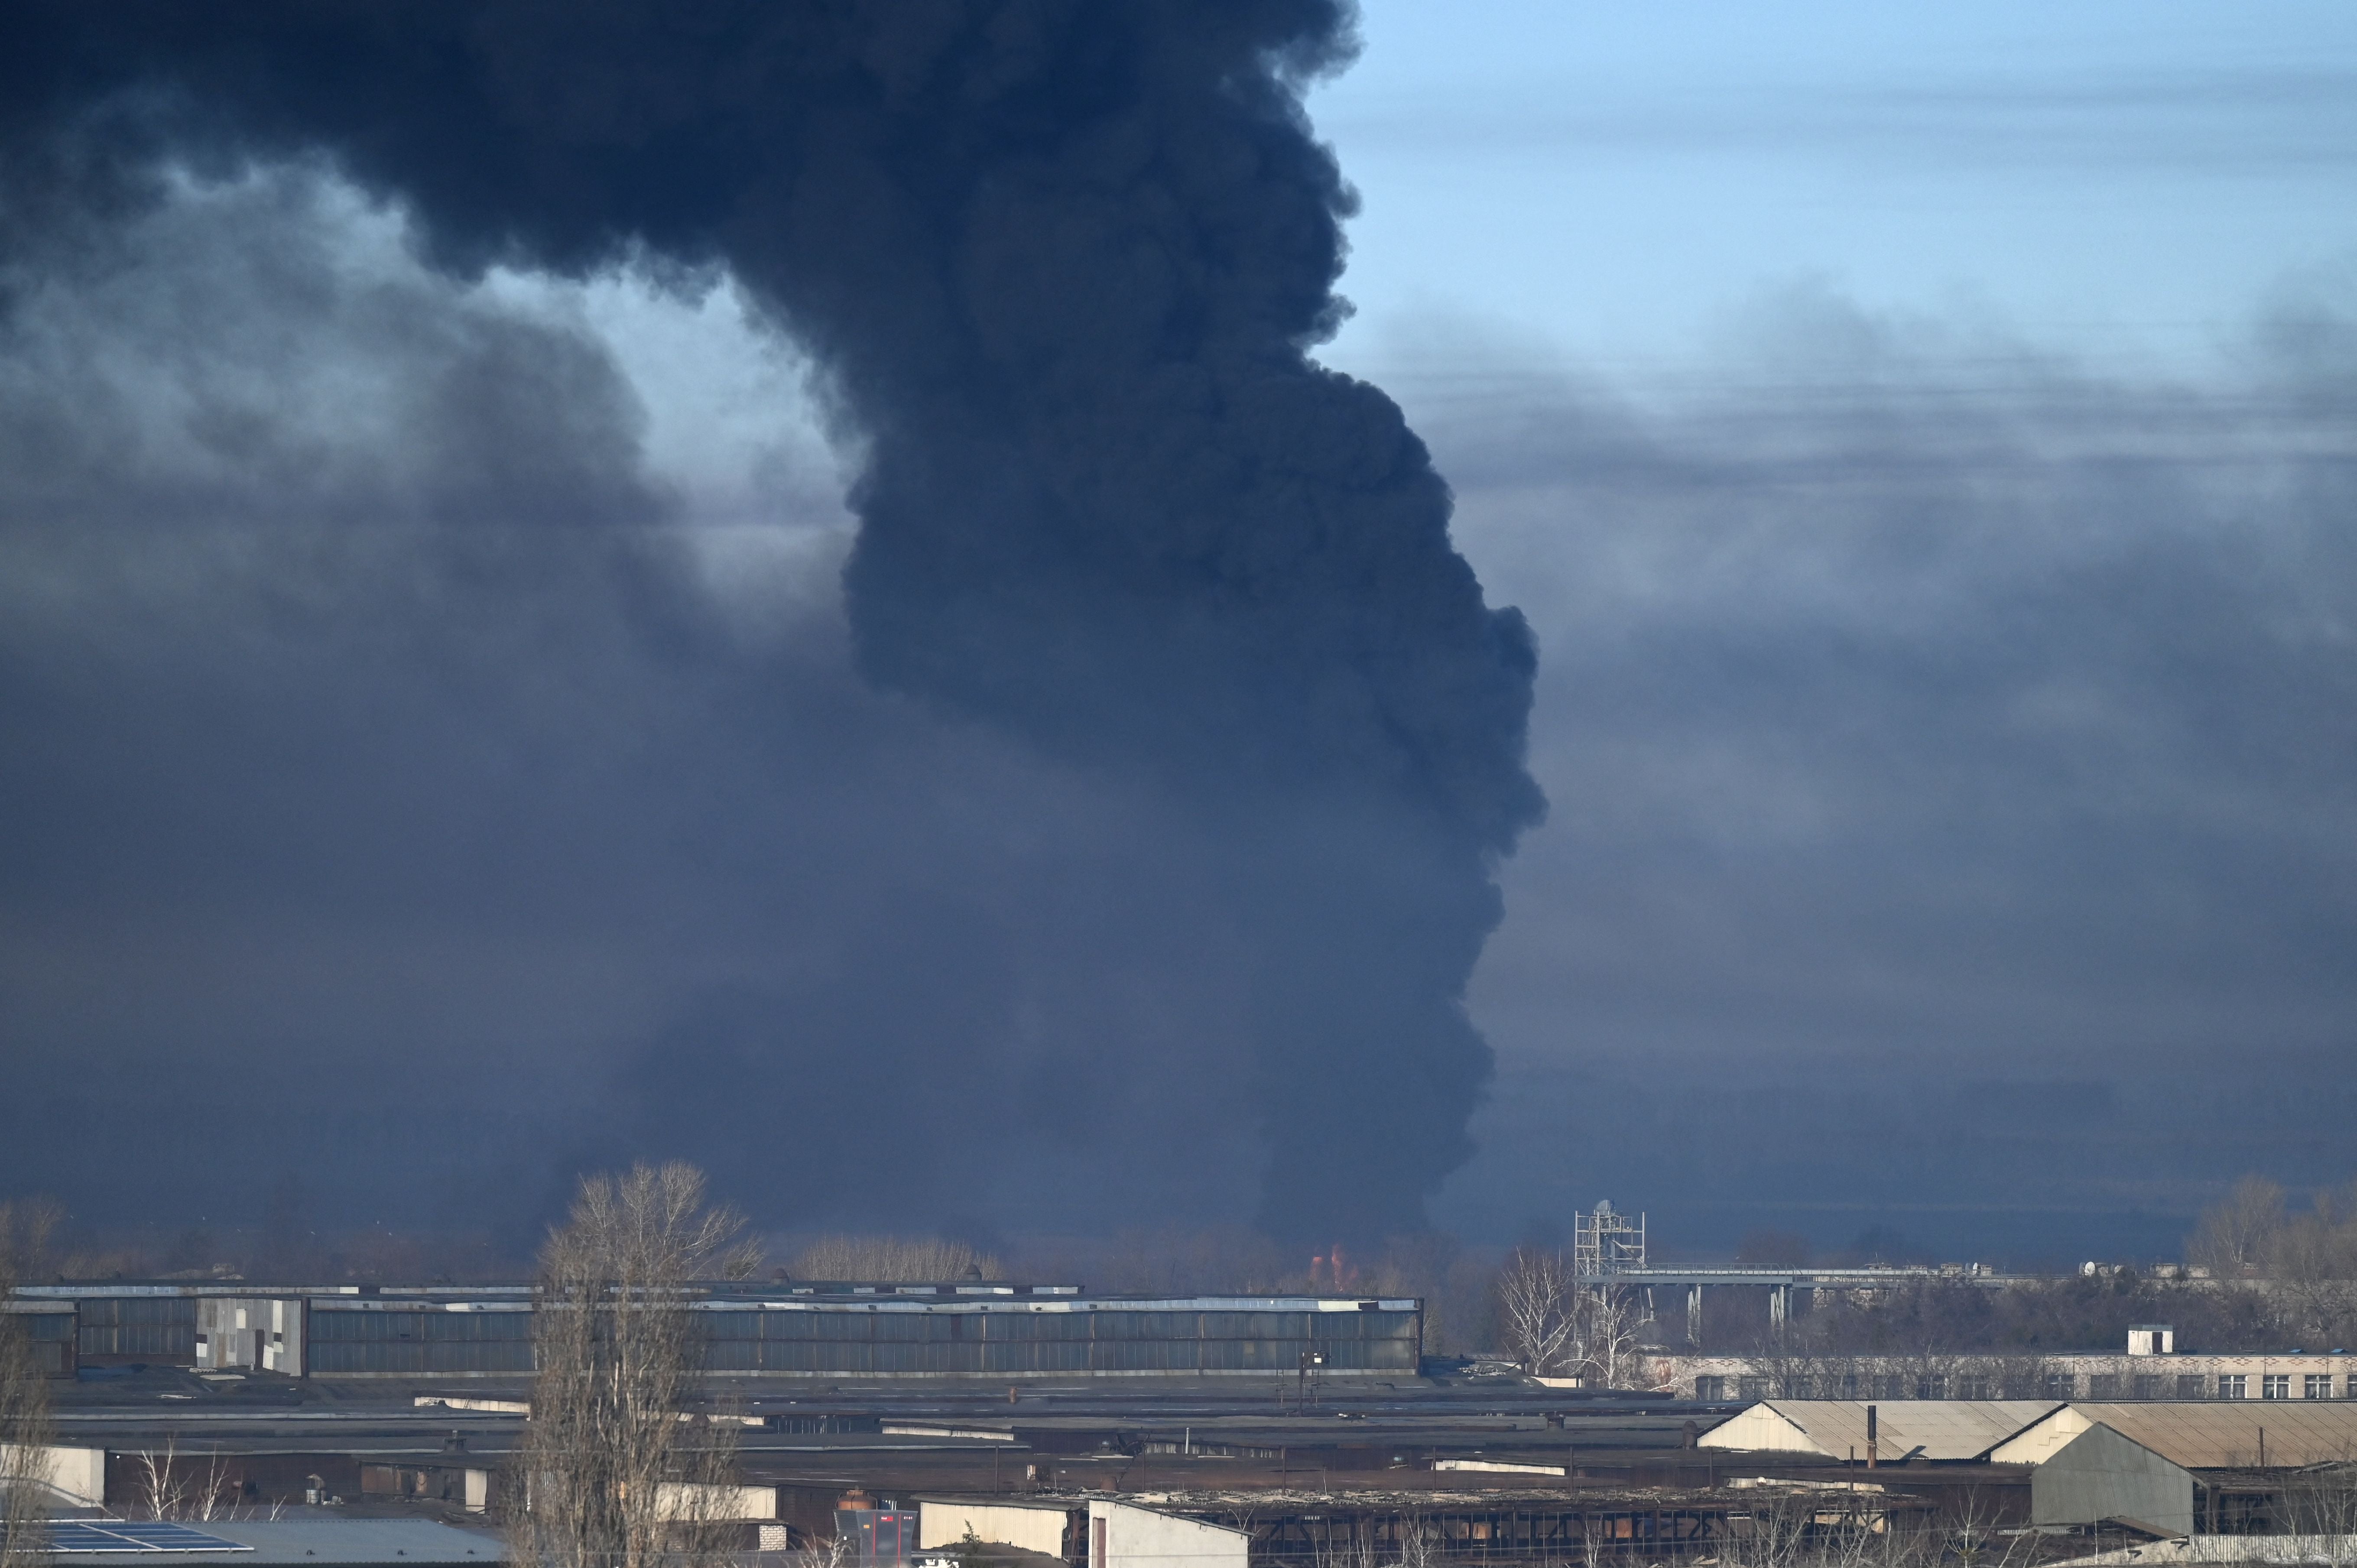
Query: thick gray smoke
point(1060, 266)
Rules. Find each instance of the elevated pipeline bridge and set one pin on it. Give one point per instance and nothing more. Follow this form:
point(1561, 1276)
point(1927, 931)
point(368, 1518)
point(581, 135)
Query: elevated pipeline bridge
point(1781, 1284)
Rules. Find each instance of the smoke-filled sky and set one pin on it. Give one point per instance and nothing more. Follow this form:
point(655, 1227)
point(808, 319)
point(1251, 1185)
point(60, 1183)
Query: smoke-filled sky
point(813, 598)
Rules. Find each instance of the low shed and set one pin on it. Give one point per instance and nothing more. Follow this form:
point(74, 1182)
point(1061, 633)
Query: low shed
point(71, 1478)
point(1102, 1532)
point(943, 1522)
point(1123, 1535)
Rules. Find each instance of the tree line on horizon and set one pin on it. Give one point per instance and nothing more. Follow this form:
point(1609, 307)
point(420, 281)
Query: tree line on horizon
point(2295, 1269)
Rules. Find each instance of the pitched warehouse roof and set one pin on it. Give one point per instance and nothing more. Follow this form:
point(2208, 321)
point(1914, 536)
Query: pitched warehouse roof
point(2203, 1434)
point(1928, 1429)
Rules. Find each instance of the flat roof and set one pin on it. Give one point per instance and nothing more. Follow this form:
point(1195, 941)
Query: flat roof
point(313, 1543)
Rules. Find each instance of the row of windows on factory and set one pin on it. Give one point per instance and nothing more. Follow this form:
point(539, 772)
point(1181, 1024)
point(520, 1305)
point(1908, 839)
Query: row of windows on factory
point(2053, 1385)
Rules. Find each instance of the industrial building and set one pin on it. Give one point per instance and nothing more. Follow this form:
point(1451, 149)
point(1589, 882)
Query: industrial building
point(2235, 1467)
point(1853, 1433)
point(2150, 1368)
point(271, 1543)
point(1256, 1528)
point(1100, 1432)
point(2200, 1436)
point(1111, 1471)
point(824, 1331)
point(2082, 1473)
point(2203, 1436)
point(49, 1328)
point(1102, 1533)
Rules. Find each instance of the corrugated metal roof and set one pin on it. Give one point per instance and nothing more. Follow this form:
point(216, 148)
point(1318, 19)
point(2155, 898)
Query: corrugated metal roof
point(1305, 1303)
point(2204, 1434)
point(1930, 1429)
point(322, 1544)
point(927, 1304)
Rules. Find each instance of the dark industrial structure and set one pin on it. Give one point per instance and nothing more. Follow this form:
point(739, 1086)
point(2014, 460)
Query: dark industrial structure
point(846, 1330)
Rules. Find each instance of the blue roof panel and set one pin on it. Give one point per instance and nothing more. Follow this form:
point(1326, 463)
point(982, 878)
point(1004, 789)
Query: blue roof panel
point(133, 1535)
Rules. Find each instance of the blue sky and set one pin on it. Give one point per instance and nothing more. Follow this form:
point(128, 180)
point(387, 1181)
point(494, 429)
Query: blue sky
point(1611, 182)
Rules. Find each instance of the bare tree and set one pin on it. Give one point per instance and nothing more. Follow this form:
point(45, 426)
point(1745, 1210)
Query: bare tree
point(2232, 1238)
point(1535, 1309)
point(25, 1433)
point(614, 1476)
point(1553, 1323)
point(1419, 1545)
point(1604, 1325)
point(165, 1487)
point(27, 1225)
point(827, 1551)
point(2319, 1506)
point(157, 1485)
point(1772, 1533)
point(1816, 1526)
point(2312, 1260)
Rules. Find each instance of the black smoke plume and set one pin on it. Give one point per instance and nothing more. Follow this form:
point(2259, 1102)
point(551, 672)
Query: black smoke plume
point(1062, 265)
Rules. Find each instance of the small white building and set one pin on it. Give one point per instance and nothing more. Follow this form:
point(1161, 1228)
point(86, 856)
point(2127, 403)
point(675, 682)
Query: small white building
point(706, 1502)
point(1123, 1535)
point(1117, 1534)
point(68, 1477)
point(942, 1522)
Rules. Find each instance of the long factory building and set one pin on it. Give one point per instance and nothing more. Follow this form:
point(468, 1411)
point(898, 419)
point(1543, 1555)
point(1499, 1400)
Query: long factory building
point(821, 1330)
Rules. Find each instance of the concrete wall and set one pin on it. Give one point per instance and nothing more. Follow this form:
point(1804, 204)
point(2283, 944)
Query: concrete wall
point(2100, 1474)
point(691, 1499)
point(1760, 1430)
point(76, 1477)
point(50, 1333)
point(1122, 1535)
point(2045, 1440)
point(2332, 1376)
point(261, 1334)
point(389, 1336)
point(908, 1331)
point(1035, 1528)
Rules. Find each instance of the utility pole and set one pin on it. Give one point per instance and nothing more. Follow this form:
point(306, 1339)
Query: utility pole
point(1301, 1386)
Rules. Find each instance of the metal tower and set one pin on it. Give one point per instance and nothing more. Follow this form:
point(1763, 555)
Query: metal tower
point(1605, 1242)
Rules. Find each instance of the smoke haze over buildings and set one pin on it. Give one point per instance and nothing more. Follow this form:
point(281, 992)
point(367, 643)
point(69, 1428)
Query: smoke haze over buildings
point(760, 587)
point(1057, 270)
point(1953, 779)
